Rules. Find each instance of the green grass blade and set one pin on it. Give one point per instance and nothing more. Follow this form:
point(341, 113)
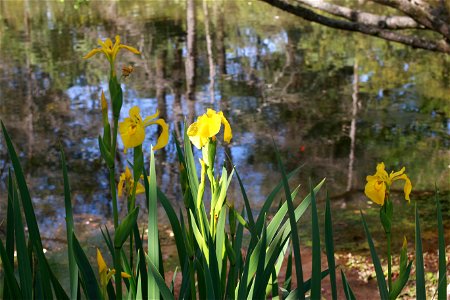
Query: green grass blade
point(277, 220)
point(24, 192)
point(269, 200)
point(198, 236)
point(90, 284)
point(242, 287)
point(347, 289)
point(442, 283)
point(153, 237)
point(294, 233)
point(211, 275)
point(237, 265)
point(175, 224)
point(223, 190)
point(329, 246)
point(248, 208)
point(260, 284)
point(23, 260)
point(274, 284)
point(73, 269)
point(139, 294)
point(270, 263)
point(376, 263)
point(172, 282)
point(220, 238)
point(401, 281)
point(205, 284)
point(307, 286)
point(108, 240)
point(60, 293)
point(288, 276)
point(9, 232)
point(141, 267)
point(285, 230)
point(420, 272)
point(316, 252)
point(190, 165)
point(185, 284)
point(13, 286)
point(125, 227)
point(30, 217)
point(162, 287)
point(127, 269)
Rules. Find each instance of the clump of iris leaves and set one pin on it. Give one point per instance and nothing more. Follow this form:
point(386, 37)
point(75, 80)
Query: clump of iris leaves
point(216, 264)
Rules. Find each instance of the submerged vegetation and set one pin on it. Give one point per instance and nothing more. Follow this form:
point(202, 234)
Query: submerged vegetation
point(225, 253)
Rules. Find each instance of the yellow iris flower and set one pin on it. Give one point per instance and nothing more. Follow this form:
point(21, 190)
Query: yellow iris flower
point(132, 129)
point(110, 50)
point(378, 183)
point(207, 126)
point(105, 272)
point(126, 183)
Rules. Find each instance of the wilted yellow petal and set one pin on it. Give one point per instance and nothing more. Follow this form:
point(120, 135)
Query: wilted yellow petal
point(92, 53)
point(407, 188)
point(129, 48)
point(125, 275)
point(117, 43)
point(151, 117)
point(393, 175)
point(127, 173)
point(110, 274)
point(140, 188)
point(121, 184)
point(108, 44)
point(163, 138)
point(227, 135)
point(376, 191)
point(100, 262)
point(104, 103)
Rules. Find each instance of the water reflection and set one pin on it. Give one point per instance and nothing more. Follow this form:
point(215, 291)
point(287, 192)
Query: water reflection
point(275, 77)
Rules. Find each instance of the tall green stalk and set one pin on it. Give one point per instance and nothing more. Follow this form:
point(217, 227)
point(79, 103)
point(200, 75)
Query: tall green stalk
point(386, 213)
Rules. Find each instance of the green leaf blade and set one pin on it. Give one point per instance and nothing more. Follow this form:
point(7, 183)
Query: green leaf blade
point(420, 272)
point(376, 263)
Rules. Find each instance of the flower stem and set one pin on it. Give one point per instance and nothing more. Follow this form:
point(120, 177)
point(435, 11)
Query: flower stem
point(117, 258)
point(112, 175)
point(118, 267)
point(388, 235)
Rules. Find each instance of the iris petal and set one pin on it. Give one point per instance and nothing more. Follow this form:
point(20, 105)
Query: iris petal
point(100, 262)
point(129, 48)
point(92, 53)
point(132, 134)
point(163, 138)
point(376, 191)
point(407, 187)
point(393, 175)
point(227, 134)
point(149, 118)
point(381, 172)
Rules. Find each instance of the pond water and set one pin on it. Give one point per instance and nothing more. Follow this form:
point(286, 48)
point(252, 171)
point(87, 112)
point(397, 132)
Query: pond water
point(332, 101)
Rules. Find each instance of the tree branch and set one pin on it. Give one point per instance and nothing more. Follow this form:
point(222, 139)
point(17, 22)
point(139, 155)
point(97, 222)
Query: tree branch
point(413, 41)
point(384, 22)
point(423, 12)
